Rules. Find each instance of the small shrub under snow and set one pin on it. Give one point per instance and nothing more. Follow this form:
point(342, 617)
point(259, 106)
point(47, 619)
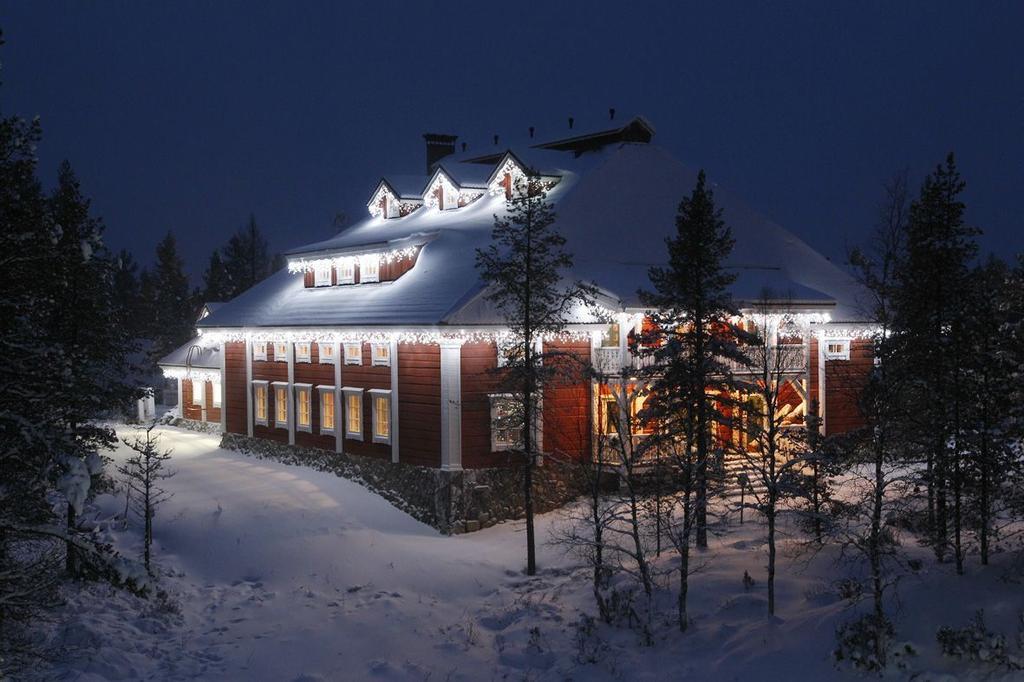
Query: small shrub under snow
point(978, 644)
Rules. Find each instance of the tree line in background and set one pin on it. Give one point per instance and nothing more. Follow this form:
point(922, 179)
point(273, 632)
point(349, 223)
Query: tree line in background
point(82, 329)
point(938, 463)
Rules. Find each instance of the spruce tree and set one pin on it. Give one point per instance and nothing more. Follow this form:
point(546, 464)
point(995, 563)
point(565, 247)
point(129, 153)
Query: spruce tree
point(246, 258)
point(173, 307)
point(692, 338)
point(216, 283)
point(929, 311)
point(127, 292)
point(523, 269)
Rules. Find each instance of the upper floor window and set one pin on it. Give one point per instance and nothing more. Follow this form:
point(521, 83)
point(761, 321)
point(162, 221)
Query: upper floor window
point(259, 350)
point(302, 351)
point(346, 271)
point(322, 274)
point(369, 268)
point(280, 351)
point(381, 354)
point(326, 353)
point(354, 353)
point(837, 349)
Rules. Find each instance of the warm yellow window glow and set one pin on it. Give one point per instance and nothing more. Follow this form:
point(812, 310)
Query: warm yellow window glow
point(382, 425)
point(326, 351)
point(304, 408)
point(327, 410)
point(281, 404)
point(353, 353)
point(302, 352)
point(261, 402)
point(354, 413)
point(280, 352)
point(381, 354)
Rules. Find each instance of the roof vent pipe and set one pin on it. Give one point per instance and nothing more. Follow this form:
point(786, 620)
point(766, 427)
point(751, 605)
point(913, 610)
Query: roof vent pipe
point(571, 120)
point(531, 132)
point(464, 145)
point(611, 114)
point(495, 140)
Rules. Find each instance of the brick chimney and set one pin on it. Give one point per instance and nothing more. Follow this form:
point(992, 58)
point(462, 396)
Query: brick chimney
point(438, 147)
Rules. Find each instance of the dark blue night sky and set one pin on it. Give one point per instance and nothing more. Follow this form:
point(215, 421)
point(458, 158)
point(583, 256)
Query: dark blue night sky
point(189, 116)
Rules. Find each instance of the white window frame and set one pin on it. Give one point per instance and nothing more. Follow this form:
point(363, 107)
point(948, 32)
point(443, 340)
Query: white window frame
point(380, 361)
point(353, 359)
point(259, 350)
point(376, 393)
point(303, 351)
point(367, 275)
point(494, 399)
point(217, 391)
point(280, 351)
point(322, 274)
point(198, 399)
point(307, 391)
point(346, 271)
point(350, 391)
point(265, 421)
point(320, 348)
point(843, 353)
point(327, 390)
point(392, 207)
point(287, 404)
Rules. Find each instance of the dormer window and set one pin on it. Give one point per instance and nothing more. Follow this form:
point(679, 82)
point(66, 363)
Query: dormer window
point(322, 273)
point(449, 198)
point(346, 271)
point(392, 207)
point(369, 268)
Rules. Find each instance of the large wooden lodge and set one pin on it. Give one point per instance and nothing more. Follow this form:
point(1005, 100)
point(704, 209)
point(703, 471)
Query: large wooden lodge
point(379, 341)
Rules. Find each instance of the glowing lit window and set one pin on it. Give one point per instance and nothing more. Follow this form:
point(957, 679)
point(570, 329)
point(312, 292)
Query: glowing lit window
point(215, 390)
point(198, 392)
point(303, 407)
point(380, 402)
point(640, 427)
point(327, 413)
point(369, 268)
point(837, 350)
point(281, 405)
point(353, 353)
point(303, 352)
point(346, 271)
point(260, 402)
point(610, 338)
point(381, 354)
point(325, 352)
point(322, 274)
point(506, 423)
point(608, 416)
point(259, 351)
point(353, 413)
point(280, 351)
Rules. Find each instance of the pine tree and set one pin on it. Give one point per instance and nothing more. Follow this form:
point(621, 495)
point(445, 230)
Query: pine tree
point(127, 293)
point(929, 310)
point(246, 259)
point(143, 473)
point(85, 325)
point(523, 270)
point(692, 338)
point(173, 307)
point(216, 283)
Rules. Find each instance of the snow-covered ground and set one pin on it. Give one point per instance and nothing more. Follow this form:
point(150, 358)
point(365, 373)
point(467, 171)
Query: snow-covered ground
point(278, 572)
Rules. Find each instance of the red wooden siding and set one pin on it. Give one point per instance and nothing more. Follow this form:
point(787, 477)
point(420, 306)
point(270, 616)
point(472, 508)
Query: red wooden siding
point(812, 393)
point(478, 381)
point(567, 413)
point(235, 387)
point(844, 382)
point(419, 404)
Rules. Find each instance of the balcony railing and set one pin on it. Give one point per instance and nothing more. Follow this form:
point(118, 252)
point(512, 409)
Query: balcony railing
point(611, 360)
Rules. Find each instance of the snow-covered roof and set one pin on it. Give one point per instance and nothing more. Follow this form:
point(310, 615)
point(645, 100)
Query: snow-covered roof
point(202, 357)
point(615, 207)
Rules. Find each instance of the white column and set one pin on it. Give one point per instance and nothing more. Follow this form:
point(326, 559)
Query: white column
point(339, 413)
point(248, 388)
point(451, 404)
point(181, 406)
point(291, 393)
point(394, 400)
point(223, 387)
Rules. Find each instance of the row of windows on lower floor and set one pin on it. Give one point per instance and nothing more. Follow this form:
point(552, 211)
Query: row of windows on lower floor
point(295, 401)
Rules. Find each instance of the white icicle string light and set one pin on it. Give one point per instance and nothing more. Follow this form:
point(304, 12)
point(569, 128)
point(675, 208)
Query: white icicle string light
point(859, 332)
point(193, 374)
point(510, 167)
point(303, 265)
point(216, 337)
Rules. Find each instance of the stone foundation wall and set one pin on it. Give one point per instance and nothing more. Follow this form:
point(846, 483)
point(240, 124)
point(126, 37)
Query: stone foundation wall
point(451, 501)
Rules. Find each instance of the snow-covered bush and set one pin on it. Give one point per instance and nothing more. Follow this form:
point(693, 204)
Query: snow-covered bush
point(867, 643)
point(978, 644)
